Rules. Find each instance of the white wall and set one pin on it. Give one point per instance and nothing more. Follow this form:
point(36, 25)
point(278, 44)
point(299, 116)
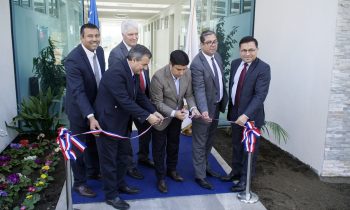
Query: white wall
point(297, 39)
point(7, 79)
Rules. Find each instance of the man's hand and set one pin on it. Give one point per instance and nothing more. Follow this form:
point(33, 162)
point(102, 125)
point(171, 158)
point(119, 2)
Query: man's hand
point(159, 115)
point(241, 120)
point(153, 119)
point(195, 113)
point(205, 117)
point(180, 114)
point(94, 125)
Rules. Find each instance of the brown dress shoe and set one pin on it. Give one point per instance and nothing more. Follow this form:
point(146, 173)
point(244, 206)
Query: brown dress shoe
point(175, 176)
point(84, 190)
point(162, 186)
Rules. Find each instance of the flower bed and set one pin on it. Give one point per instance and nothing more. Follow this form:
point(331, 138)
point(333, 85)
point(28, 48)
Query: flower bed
point(26, 170)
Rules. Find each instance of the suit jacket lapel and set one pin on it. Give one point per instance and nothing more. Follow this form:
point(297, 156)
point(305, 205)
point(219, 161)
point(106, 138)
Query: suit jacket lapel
point(171, 81)
point(251, 68)
point(207, 66)
point(87, 62)
point(132, 87)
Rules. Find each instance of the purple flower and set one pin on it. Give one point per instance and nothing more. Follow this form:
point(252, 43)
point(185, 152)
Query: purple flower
point(15, 146)
point(5, 158)
point(37, 161)
point(3, 193)
point(13, 178)
point(48, 162)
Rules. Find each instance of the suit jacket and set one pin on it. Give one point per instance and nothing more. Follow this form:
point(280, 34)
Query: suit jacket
point(117, 54)
point(81, 88)
point(120, 99)
point(255, 88)
point(204, 85)
point(164, 96)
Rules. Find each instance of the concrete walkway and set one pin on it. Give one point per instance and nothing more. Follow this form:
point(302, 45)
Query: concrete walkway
point(223, 201)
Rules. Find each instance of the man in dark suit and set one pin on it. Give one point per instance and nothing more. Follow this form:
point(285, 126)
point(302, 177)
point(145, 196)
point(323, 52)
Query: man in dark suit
point(169, 87)
point(249, 84)
point(119, 100)
point(211, 97)
point(84, 67)
point(129, 30)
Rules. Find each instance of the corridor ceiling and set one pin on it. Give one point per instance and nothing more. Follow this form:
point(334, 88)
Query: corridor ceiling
point(130, 9)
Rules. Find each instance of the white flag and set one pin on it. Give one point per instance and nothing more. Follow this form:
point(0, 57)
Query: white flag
point(192, 45)
point(192, 38)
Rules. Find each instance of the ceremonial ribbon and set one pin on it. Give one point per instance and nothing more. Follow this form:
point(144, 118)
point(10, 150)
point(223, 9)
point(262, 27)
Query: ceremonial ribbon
point(250, 135)
point(65, 141)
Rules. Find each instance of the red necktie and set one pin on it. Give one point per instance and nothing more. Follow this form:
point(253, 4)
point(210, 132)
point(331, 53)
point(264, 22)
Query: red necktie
point(142, 82)
point(240, 84)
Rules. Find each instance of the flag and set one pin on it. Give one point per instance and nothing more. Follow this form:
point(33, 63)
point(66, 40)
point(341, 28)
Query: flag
point(93, 16)
point(192, 39)
point(191, 48)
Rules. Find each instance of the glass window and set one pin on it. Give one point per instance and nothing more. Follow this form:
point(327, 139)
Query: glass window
point(40, 6)
point(53, 8)
point(15, 2)
point(32, 29)
point(25, 3)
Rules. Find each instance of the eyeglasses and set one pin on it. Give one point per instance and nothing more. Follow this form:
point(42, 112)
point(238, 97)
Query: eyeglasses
point(249, 50)
point(215, 42)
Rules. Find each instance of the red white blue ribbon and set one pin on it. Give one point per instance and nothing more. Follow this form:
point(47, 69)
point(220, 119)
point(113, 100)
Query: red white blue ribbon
point(250, 136)
point(66, 141)
point(113, 135)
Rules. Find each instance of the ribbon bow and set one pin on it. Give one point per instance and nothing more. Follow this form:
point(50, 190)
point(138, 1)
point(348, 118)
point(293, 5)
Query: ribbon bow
point(66, 140)
point(250, 135)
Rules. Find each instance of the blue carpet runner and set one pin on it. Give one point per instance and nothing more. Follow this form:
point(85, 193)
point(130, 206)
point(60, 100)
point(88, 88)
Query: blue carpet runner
point(148, 184)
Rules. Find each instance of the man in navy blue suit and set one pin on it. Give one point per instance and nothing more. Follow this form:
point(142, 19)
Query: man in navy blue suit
point(249, 84)
point(119, 101)
point(130, 33)
point(84, 66)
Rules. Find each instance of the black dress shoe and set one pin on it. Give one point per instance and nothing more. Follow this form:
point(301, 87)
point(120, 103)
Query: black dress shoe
point(239, 187)
point(230, 177)
point(204, 183)
point(94, 176)
point(162, 186)
point(175, 176)
point(134, 173)
point(85, 191)
point(146, 162)
point(212, 173)
point(129, 190)
point(118, 203)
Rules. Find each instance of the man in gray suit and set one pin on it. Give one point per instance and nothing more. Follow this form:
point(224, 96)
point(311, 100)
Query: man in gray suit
point(249, 84)
point(211, 97)
point(170, 85)
point(130, 35)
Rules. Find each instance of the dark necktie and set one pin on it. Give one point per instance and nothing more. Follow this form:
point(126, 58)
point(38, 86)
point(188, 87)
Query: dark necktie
point(216, 79)
point(240, 84)
point(142, 82)
point(96, 73)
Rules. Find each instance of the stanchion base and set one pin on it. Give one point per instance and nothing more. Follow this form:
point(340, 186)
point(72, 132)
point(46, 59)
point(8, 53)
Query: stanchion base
point(244, 198)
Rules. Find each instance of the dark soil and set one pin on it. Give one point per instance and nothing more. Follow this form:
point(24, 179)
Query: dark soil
point(283, 182)
point(49, 197)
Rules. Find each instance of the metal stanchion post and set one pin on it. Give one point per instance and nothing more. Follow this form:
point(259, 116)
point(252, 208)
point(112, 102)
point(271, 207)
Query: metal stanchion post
point(69, 186)
point(247, 196)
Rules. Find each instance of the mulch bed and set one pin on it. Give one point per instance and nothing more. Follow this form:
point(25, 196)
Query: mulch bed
point(283, 182)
